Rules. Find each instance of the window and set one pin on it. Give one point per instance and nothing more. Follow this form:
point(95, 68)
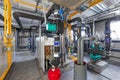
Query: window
point(115, 30)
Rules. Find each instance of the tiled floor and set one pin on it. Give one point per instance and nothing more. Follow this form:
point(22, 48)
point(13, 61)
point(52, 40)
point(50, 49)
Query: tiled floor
point(25, 71)
point(111, 73)
point(24, 56)
point(28, 70)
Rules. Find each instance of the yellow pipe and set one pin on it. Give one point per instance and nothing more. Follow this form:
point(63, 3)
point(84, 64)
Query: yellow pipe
point(4, 74)
point(9, 19)
point(73, 14)
point(8, 66)
point(5, 21)
point(73, 58)
point(32, 5)
point(69, 31)
point(9, 54)
point(7, 40)
point(65, 25)
point(69, 26)
point(92, 3)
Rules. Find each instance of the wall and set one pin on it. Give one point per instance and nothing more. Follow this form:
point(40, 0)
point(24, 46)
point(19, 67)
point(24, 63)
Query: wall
point(100, 28)
point(40, 51)
point(3, 56)
point(23, 41)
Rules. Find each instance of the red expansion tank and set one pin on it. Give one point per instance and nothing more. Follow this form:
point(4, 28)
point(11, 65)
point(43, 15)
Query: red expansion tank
point(54, 74)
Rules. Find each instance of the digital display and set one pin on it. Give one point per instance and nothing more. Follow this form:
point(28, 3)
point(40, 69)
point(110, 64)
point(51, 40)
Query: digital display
point(107, 39)
point(56, 43)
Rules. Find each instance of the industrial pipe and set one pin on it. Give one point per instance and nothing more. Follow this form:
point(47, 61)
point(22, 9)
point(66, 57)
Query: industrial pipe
point(108, 32)
point(7, 34)
point(69, 25)
point(93, 2)
point(80, 67)
point(93, 28)
point(74, 19)
point(17, 16)
point(25, 15)
point(81, 48)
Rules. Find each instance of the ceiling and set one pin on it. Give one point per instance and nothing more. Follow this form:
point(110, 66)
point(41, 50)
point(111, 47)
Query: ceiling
point(103, 6)
point(28, 6)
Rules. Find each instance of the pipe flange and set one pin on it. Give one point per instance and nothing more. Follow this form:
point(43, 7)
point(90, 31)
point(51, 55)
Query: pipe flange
point(9, 36)
point(9, 49)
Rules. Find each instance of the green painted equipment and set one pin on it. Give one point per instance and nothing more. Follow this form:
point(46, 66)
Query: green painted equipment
point(95, 56)
point(51, 27)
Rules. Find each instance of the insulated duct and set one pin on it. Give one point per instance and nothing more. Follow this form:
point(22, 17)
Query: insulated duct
point(17, 16)
point(53, 7)
point(71, 4)
point(79, 20)
point(75, 19)
point(25, 15)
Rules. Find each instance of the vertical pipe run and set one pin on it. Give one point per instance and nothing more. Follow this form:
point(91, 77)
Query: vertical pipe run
point(81, 48)
point(62, 49)
point(16, 41)
point(69, 31)
point(7, 39)
point(69, 26)
point(5, 20)
point(39, 37)
point(9, 18)
point(80, 51)
point(93, 29)
point(43, 3)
